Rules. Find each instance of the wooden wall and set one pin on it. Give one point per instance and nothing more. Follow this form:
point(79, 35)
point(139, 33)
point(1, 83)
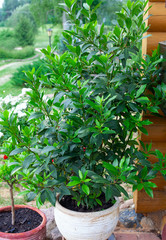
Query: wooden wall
point(157, 23)
point(157, 131)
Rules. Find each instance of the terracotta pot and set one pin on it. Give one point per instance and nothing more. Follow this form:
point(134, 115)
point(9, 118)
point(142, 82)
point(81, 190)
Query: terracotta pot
point(86, 225)
point(38, 233)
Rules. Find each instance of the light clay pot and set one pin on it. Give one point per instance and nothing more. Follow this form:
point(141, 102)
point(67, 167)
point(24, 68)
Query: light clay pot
point(86, 226)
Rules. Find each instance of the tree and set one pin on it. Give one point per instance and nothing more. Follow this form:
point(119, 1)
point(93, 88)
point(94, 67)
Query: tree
point(17, 13)
point(9, 6)
point(24, 32)
point(46, 11)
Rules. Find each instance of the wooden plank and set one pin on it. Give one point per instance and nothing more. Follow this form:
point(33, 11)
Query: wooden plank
point(158, 8)
point(155, 120)
point(161, 146)
point(145, 204)
point(156, 0)
point(160, 182)
point(157, 24)
point(152, 41)
point(156, 133)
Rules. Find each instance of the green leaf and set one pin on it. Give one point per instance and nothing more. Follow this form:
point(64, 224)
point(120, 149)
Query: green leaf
point(143, 130)
point(146, 122)
point(81, 175)
point(108, 193)
point(68, 3)
point(53, 171)
point(139, 186)
point(50, 197)
point(31, 196)
point(76, 140)
point(16, 169)
point(159, 154)
point(47, 149)
point(141, 90)
point(73, 183)
point(71, 48)
point(16, 151)
point(128, 22)
point(35, 115)
point(6, 114)
point(129, 4)
point(83, 132)
point(110, 167)
point(117, 31)
point(89, 2)
point(27, 161)
point(142, 100)
point(121, 189)
point(64, 190)
point(85, 189)
point(86, 6)
point(149, 191)
point(98, 201)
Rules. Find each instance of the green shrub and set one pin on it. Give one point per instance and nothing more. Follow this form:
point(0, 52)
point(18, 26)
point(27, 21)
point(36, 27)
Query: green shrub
point(7, 39)
point(19, 76)
point(17, 54)
point(56, 41)
point(24, 32)
point(13, 20)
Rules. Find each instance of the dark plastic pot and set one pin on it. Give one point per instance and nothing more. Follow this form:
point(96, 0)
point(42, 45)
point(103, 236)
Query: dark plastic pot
point(38, 233)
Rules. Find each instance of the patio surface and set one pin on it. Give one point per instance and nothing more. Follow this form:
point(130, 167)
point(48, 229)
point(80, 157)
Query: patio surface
point(136, 236)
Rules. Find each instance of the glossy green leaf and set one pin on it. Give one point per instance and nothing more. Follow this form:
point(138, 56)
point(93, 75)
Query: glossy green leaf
point(85, 189)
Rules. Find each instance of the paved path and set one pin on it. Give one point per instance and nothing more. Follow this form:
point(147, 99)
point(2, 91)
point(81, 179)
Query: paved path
point(16, 62)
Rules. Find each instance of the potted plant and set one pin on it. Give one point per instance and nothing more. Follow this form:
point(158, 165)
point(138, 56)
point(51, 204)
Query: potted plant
point(81, 144)
point(18, 221)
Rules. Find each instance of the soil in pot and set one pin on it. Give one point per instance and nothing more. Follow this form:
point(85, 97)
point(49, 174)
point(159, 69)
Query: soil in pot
point(69, 203)
point(26, 220)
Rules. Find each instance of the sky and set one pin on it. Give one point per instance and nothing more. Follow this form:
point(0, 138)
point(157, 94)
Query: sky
point(1, 2)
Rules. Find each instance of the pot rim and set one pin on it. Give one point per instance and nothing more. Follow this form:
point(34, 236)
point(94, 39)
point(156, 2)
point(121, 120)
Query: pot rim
point(28, 233)
point(88, 214)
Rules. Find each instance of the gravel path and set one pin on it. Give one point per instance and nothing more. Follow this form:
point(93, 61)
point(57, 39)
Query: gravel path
point(7, 77)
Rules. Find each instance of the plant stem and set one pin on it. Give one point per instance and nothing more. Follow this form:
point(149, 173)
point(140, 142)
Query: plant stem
point(12, 204)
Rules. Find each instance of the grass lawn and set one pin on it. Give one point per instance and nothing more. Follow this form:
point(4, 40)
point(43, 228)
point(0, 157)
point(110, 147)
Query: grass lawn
point(9, 88)
point(13, 67)
point(6, 86)
point(42, 39)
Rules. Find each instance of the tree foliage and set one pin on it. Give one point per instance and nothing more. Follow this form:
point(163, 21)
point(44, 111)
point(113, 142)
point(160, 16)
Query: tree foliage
point(17, 13)
point(24, 32)
point(10, 5)
point(46, 11)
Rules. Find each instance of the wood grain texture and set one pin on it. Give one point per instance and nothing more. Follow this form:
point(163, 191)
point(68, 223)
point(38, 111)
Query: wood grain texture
point(152, 41)
point(158, 8)
point(157, 131)
point(157, 24)
point(156, 0)
point(161, 146)
point(145, 204)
